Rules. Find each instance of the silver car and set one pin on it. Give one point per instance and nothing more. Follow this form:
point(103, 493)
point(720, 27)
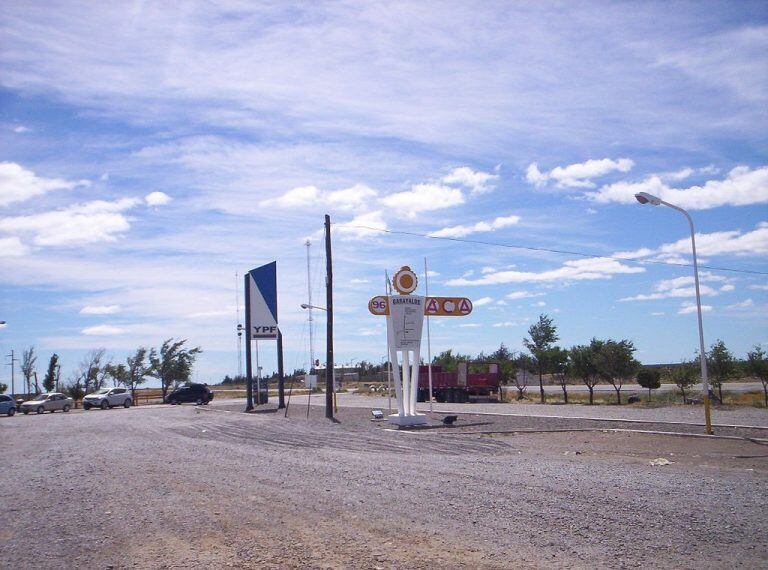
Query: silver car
point(49, 402)
point(108, 398)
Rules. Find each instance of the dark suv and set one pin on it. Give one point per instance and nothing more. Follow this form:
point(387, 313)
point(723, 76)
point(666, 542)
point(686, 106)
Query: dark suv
point(197, 393)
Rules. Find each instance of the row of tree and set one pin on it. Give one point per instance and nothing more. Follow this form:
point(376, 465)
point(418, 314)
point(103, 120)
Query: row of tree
point(171, 364)
point(604, 361)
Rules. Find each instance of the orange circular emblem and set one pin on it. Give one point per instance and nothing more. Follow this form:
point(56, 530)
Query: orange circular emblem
point(405, 281)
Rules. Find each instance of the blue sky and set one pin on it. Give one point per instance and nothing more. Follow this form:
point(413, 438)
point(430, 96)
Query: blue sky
point(148, 154)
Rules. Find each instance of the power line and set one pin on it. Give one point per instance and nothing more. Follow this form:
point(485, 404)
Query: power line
point(550, 250)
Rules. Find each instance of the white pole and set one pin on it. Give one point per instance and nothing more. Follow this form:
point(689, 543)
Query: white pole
point(389, 353)
point(237, 326)
point(429, 339)
point(258, 375)
point(406, 397)
point(702, 350)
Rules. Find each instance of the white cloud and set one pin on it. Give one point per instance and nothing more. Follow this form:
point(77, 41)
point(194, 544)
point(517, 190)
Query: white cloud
point(578, 175)
point(539, 304)
point(658, 314)
point(301, 197)
point(578, 270)
point(742, 186)
point(12, 247)
point(678, 287)
point(353, 199)
point(100, 309)
point(359, 281)
point(732, 242)
point(90, 222)
point(461, 231)
point(21, 129)
point(523, 295)
point(469, 325)
point(759, 287)
point(689, 307)
point(727, 287)
point(157, 199)
point(477, 181)
point(488, 269)
point(482, 301)
point(103, 330)
point(367, 226)
point(745, 304)
point(18, 184)
point(505, 324)
point(423, 198)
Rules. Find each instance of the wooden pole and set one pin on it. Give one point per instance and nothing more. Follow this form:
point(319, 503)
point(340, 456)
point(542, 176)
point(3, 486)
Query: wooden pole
point(280, 372)
point(329, 321)
point(248, 368)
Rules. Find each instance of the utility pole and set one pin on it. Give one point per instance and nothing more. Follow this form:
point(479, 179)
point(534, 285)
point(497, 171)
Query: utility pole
point(13, 369)
point(280, 372)
point(329, 321)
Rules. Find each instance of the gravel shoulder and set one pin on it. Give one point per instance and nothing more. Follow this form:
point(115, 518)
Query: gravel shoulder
point(178, 487)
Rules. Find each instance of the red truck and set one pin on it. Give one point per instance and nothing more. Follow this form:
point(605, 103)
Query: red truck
point(458, 386)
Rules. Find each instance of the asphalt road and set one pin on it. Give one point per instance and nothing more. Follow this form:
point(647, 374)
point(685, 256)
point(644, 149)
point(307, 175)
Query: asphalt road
point(210, 487)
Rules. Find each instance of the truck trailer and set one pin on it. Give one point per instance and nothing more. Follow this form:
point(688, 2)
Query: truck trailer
point(458, 386)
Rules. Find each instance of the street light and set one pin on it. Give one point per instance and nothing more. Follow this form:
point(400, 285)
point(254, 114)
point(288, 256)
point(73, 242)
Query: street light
point(645, 198)
point(305, 306)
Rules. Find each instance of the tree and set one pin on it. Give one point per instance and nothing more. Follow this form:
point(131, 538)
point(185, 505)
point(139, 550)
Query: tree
point(543, 336)
point(90, 367)
point(505, 360)
point(523, 366)
point(449, 361)
point(584, 365)
point(757, 366)
point(3, 388)
point(28, 364)
point(49, 382)
point(721, 365)
point(135, 371)
point(118, 373)
point(650, 379)
point(615, 363)
point(683, 376)
point(172, 364)
point(75, 388)
point(558, 359)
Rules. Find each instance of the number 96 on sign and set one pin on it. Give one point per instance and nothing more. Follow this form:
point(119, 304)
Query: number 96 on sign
point(434, 306)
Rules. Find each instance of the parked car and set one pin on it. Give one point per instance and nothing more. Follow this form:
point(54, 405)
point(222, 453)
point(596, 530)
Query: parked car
point(197, 393)
point(49, 402)
point(7, 405)
point(108, 398)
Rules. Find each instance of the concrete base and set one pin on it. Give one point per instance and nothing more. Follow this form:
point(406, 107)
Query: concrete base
point(408, 421)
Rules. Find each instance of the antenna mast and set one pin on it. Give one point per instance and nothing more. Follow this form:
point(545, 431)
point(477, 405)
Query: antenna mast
point(309, 311)
point(239, 328)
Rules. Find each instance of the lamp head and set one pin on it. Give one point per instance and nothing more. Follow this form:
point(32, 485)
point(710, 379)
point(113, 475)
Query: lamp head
point(304, 306)
point(645, 198)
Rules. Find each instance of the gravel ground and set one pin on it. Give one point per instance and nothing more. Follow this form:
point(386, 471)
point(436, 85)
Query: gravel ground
point(182, 487)
point(741, 415)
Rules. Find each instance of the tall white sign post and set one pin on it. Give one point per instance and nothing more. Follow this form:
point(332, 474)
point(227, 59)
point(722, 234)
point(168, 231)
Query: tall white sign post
point(405, 320)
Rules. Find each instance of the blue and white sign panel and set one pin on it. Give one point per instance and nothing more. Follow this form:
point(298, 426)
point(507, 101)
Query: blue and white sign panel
point(263, 301)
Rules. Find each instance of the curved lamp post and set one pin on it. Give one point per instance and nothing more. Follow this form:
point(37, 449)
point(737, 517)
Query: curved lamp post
point(645, 198)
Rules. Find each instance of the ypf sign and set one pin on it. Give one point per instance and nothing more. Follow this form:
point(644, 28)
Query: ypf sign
point(405, 317)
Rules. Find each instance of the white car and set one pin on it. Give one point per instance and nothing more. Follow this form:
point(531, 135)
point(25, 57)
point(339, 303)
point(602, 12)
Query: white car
point(108, 398)
point(49, 402)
